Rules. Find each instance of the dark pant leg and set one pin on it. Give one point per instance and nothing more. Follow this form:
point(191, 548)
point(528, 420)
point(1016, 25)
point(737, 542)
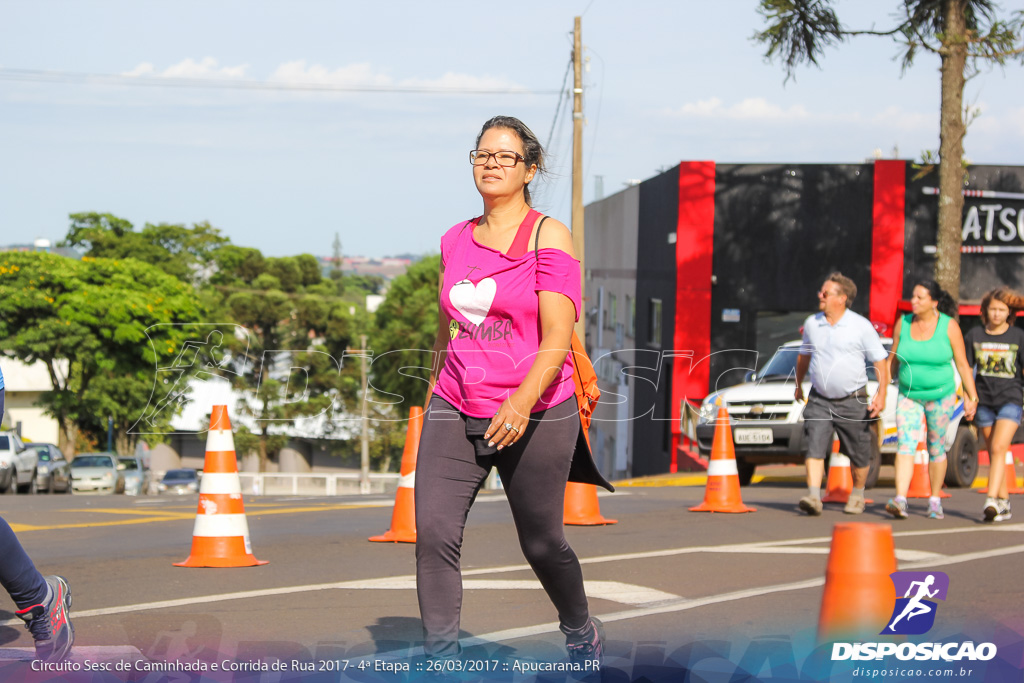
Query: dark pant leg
point(18, 575)
point(818, 427)
point(448, 476)
point(534, 473)
point(853, 426)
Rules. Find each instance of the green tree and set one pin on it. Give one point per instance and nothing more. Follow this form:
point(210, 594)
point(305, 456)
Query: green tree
point(962, 33)
point(184, 252)
point(87, 321)
point(298, 332)
point(403, 335)
point(368, 284)
point(236, 264)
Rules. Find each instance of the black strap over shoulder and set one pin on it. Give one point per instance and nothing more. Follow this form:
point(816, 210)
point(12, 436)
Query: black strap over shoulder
point(536, 238)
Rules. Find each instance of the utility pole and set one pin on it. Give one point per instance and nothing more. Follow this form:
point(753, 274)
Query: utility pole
point(364, 460)
point(577, 170)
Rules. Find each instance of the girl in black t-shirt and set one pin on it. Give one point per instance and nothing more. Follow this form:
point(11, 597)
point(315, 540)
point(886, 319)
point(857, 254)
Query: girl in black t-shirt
point(997, 353)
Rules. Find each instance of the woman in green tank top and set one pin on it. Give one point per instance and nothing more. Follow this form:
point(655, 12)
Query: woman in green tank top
point(926, 343)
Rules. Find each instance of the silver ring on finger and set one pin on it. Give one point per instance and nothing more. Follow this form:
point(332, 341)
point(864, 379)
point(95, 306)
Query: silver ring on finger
point(509, 427)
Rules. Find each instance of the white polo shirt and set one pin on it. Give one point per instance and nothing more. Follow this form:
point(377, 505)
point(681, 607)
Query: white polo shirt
point(839, 353)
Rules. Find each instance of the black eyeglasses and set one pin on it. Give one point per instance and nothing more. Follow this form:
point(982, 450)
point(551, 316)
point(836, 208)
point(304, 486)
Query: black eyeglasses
point(479, 157)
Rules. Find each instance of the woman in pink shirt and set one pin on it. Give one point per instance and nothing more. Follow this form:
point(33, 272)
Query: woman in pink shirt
point(502, 394)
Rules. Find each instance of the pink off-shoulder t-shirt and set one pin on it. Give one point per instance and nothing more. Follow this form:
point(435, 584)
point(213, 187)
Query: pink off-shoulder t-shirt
point(495, 331)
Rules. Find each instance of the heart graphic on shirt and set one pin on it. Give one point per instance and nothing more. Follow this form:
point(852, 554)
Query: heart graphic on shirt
point(473, 301)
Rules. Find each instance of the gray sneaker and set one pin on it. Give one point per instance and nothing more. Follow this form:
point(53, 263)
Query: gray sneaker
point(1004, 511)
point(811, 506)
point(897, 508)
point(50, 624)
point(854, 505)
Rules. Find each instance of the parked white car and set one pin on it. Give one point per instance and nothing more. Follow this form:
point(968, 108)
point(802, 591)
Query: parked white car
point(17, 465)
point(767, 422)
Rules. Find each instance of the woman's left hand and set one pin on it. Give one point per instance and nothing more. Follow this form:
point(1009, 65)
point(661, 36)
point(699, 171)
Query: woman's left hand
point(509, 423)
point(970, 408)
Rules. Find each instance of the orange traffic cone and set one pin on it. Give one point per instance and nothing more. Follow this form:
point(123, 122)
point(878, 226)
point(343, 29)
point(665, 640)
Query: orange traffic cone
point(1011, 476)
point(859, 595)
point(220, 537)
point(921, 482)
point(403, 517)
point(840, 477)
point(722, 493)
point(581, 507)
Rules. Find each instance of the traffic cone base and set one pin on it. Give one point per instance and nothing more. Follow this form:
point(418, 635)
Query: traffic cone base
point(840, 479)
point(403, 516)
point(221, 552)
point(722, 492)
point(581, 507)
point(1011, 476)
point(403, 525)
point(859, 595)
point(920, 483)
point(220, 537)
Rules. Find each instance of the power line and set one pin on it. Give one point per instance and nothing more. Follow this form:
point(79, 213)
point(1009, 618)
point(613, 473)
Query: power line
point(69, 77)
point(558, 107)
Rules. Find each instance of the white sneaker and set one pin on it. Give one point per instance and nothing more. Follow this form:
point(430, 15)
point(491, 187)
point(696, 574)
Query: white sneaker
point(991, 510)
point(1004, 511)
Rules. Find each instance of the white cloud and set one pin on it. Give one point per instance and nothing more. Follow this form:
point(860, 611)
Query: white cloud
point(208, 67)
point(750, 109)
point(898, 118)
point(143, 69)
point(297, 72)
point(464, 81)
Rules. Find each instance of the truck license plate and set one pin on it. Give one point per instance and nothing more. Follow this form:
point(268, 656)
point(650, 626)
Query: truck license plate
point(757, 436)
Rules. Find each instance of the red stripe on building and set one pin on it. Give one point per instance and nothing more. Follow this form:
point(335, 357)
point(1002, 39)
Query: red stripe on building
point(695, 237)
point(888, 228)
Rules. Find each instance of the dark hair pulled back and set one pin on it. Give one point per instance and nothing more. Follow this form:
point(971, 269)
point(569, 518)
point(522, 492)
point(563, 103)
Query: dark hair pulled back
point(533, 151)
point(946, 302)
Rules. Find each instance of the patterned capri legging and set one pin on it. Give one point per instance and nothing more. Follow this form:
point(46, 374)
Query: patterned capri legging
point(913, 415)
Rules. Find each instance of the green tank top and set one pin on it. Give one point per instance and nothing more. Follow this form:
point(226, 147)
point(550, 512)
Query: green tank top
point(926, 369)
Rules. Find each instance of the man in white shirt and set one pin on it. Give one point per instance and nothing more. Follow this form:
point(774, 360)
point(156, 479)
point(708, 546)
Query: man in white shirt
point(837, 345)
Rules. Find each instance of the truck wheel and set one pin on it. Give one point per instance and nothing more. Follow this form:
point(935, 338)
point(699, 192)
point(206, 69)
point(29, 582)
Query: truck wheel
point(12, 488)
point(746, 471)
point(875, 464)
point(962, 459)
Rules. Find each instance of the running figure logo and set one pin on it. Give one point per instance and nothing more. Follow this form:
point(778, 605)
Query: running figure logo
point(914, 614)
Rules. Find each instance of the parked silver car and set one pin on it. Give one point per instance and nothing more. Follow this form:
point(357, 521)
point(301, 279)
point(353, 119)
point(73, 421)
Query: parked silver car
point(96, 473)
point(136, 476)
point(179, 482)
point(17, 465)
point(53, 472)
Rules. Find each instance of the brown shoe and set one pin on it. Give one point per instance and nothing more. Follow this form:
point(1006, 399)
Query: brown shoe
point(855, 505)
point(811, 506)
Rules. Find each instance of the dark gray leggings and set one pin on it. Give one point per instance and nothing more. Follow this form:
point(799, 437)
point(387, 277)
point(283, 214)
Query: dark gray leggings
point(533, 473)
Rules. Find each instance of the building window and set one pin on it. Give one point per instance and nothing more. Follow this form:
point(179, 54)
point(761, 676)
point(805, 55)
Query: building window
point(654, 329)
point(630, 316)
point(613, 312)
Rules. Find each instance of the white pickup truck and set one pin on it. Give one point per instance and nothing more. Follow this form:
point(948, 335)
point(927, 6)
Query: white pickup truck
point(767, 422)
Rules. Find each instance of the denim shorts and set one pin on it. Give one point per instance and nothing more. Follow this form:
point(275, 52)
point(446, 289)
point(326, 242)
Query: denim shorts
point(987, 415)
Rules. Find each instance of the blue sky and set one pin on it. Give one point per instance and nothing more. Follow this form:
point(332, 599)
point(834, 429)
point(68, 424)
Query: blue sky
point(284, 170)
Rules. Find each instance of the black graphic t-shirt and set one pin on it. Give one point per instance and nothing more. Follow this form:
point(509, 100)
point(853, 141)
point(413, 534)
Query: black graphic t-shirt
point(998, 360)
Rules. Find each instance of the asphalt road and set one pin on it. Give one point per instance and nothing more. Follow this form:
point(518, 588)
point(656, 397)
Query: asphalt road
point(668, 583)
